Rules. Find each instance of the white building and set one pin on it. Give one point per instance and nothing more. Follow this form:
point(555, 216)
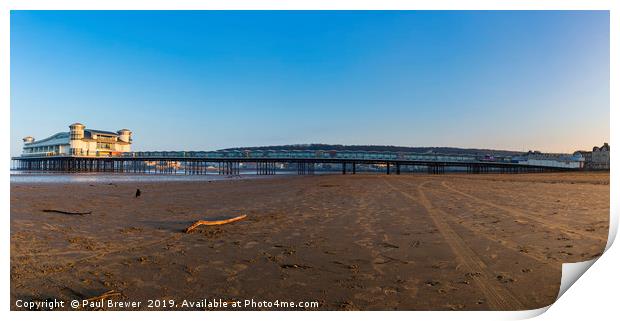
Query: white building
point(79, 141)
point(536, 158)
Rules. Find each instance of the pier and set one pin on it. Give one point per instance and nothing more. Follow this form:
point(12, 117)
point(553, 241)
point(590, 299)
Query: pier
point(225, 165)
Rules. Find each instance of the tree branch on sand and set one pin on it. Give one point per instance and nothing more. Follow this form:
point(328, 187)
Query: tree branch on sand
point(68, 213)
point(218, 222)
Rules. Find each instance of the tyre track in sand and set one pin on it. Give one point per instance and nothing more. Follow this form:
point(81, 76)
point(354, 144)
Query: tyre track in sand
point(498, 297)
point(510, 245)
point(520, 214)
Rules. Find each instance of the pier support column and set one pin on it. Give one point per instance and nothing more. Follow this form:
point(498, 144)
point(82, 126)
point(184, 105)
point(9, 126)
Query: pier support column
point(302, 168)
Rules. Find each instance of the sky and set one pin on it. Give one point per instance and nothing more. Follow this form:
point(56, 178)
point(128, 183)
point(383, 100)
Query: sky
point(206, 80)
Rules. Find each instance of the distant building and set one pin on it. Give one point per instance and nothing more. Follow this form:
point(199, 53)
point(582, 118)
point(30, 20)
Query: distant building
point(575, 160)
point(580, 155)
point(79, 141)
point(587, 158)
point(600, 157)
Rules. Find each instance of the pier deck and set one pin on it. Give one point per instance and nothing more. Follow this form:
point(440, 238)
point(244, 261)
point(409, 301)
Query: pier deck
point(263, 165)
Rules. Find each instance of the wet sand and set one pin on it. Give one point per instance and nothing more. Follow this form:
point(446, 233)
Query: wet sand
point(354, 242)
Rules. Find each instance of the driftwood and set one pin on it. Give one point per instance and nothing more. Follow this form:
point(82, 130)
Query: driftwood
point(104, 296)
point(218, 222)
point(68, 213)
point(295, 266)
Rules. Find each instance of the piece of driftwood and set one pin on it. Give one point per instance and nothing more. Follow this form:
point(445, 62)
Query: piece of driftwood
point(217, 222)
point(295, 266)
point(68, 213)
point(104, 296)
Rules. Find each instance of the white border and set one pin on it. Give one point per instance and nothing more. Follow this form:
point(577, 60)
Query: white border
point(593, 295)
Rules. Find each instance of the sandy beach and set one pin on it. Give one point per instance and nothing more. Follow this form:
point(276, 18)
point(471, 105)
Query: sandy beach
point(348, 242)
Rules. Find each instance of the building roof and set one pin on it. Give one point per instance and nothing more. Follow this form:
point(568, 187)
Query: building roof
point(97, 132)
point(583, 152)
point(61, 138)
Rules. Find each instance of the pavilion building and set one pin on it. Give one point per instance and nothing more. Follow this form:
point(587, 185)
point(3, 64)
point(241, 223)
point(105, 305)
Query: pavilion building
point(79, 141)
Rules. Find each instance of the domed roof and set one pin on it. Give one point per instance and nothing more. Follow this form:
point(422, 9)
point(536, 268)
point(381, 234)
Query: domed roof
point(124, 130)
point(76, 124)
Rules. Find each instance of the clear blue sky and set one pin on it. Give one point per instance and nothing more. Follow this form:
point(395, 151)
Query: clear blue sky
point(208, 80)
